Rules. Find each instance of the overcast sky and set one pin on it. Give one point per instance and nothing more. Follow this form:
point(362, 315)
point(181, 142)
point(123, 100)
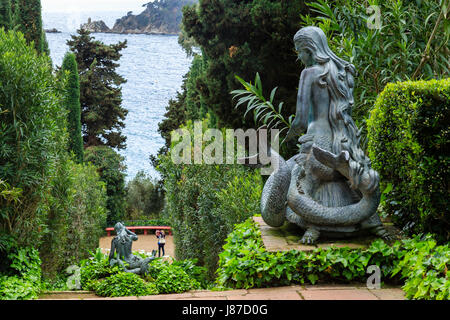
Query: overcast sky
point(93, 5)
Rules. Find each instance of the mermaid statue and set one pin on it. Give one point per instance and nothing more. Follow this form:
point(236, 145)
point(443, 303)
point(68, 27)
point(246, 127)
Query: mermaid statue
point(329, 187)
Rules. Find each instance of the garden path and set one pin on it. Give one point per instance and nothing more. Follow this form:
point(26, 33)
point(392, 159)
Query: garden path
point(316, 292)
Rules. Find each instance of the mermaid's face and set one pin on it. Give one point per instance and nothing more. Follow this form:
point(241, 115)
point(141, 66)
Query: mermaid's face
point(305, 55)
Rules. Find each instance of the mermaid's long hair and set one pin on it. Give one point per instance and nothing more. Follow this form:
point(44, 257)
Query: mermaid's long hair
point(338, 77)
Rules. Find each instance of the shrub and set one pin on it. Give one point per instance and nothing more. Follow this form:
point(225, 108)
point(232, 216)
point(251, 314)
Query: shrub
point(405, 46)
point(171, 278)
point(245, 263)
point(15, 288)
point(32, 134)
point(203, 204)
point(95, 268)
point(22, 280)
point(111, 169)
point(76, 218)
point(194, 271)
point(408, 144)
point(124, 284)
point(162, 277)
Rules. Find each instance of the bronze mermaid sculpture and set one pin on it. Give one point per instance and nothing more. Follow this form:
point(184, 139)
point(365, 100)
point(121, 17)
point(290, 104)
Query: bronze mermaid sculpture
point(329, 188)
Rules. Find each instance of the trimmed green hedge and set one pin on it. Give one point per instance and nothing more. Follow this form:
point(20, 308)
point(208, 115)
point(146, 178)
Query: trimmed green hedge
point(408, 133)
point(245, 263)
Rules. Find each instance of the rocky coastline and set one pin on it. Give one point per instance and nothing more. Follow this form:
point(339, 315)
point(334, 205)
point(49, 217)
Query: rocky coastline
point(160, 17)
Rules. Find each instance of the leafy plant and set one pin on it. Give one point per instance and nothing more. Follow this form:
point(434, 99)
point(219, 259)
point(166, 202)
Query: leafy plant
point(22, 281)
point(204, 202)
point(264, 111)
point(32, 135)
point(16, 288)
point(172, 278)
point(422, 265)
point(411, 42)
point(95, 268)
point(124, 284)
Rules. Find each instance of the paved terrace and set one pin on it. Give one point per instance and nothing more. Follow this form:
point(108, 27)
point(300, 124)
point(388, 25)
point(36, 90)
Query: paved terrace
point(316, 292)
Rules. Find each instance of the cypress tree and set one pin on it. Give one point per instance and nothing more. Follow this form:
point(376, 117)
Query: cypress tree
point(5, 14)
point(73, 105)
point(28, 20)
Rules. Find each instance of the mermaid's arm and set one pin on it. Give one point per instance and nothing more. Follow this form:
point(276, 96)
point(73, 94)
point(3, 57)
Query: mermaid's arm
point(133, 235)
point(300, 123)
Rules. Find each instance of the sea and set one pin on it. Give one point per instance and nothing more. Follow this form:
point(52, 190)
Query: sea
point(153, 65)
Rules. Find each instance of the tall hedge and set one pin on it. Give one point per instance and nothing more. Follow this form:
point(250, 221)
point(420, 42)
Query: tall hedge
point(409, 143)
point(32, 134)
point(5, 14)
point(73, 106)
point(203, 202)
point(76, 216)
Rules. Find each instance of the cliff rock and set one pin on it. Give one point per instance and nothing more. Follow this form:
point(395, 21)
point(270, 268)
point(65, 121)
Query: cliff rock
point(159, 17)
point(96, 26)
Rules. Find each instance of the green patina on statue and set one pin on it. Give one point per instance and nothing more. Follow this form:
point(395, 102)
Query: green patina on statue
point(328, 188)
point(121, 252)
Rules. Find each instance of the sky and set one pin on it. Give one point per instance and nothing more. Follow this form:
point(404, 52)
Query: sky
point(93, 5)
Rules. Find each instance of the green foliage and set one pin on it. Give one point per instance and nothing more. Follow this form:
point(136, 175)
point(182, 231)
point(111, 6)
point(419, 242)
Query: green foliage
point(263, 110)
point(95, 268)
point(173, 278)
point(408, 144)
point(73, 106)
point(244, 37)
point(424, 267)
point(389, 54)
point(76, 217)
point(145, 197)
point(124, 284)
point(15, 288)
point(32, 136)
point(204, 202)
point(162, 277)
point(22, 281)
point(245, 263)
point(194, 271)
point(102, 115)
point(28, 20)
point(5, 14)
point(112, 172)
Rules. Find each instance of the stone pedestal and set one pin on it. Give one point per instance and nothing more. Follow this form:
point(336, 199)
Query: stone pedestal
point(288, 238)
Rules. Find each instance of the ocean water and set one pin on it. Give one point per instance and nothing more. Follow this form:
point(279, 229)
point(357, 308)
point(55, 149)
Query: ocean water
point(154, 66)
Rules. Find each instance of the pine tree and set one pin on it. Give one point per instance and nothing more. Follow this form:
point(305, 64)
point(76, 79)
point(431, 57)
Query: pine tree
point(28, 20)
point(102, 115)
point(5, 14)
point(73, 105)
